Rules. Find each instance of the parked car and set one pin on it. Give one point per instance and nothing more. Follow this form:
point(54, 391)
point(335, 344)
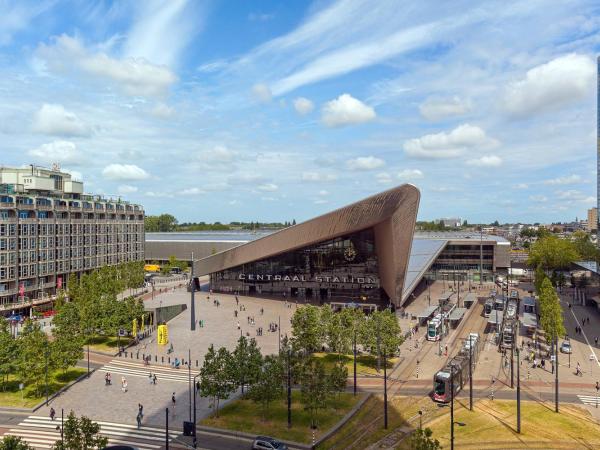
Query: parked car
point(565, 347)
point(268, 443)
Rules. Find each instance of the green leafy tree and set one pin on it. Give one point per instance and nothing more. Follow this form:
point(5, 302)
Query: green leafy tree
point(338, 378)
point(216, 376)
point(8, 355)
point(66, 350)
point(385, 325)
point(268, 386)
point(315, 388)
point(551, 314)
point(32, 346)
point(584, 246)
point(14, 443)
point(539, 277)
point(247, 362)
point(307, 329)
point(81, 434)
point(421, 439)
point(552, 253)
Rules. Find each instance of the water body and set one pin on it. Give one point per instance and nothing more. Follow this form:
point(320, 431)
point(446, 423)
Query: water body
point(207, 236)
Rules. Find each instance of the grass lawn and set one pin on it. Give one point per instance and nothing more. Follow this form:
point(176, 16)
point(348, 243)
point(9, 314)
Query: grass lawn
point(109, 344)
point(365, 364)
point(492, 425)
point(245, 415)
point(12, 397)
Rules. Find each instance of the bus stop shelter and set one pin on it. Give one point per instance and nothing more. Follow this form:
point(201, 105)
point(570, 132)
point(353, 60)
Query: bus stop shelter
point(469, 299)
point(456, 316)
point(426, 314)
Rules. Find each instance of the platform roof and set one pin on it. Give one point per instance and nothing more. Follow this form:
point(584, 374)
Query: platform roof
point(422, 255)
point(457, 313)
point(427, 312)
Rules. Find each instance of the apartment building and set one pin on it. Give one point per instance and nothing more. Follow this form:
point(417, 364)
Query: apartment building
point(50, 230)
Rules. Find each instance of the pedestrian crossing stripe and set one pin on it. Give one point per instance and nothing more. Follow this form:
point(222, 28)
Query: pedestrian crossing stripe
point(183, 378)
point(157, 368)
point(589, 399)
point(41, 432)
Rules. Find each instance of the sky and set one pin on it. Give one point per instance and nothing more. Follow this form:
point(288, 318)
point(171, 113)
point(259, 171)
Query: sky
point(273, 111)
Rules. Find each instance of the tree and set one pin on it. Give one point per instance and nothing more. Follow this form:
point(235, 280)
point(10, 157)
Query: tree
point(66, 350)
point(551, 314)
point(338, 378)
point(14, 443)
point(315, 387)
point(421, 440)
point(8, 354)
point(385, 325)
point(552, 253)
point(539, 277)
point(32, 346)
point(216, 378)
point(267, 387)
point(80, 434)
point(307, 329)
point(247, 362)
point(584, 246)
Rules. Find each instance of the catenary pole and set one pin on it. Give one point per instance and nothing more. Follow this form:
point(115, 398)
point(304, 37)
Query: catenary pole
point(193, 293)
point(556, 374)
point(518, 391)
point(289, 388)
point(470, 372)
point(451, 407)
point(385, 405)
point(167, 429)
point(354, 347)
point(190, 379)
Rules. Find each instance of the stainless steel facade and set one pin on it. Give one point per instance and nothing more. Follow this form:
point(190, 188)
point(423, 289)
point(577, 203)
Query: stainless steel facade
point(390, 215)
point(48, 235)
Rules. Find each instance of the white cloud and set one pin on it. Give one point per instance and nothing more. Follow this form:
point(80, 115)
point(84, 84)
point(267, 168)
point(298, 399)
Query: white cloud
point(383, 178)
point(410, 174)
point(245, 178)
point(448, 145)
point(485, 161)
point(218, 154)
point(127, 189)
point(124, 172)
point(191, 191)
point(557, 83)
point(158, 194)
point(323, 193)
point(213, 66)
point(321, 201)
point(365, 163)
point(573, 195)
point(268, 187)
point(136, 76)
point(521, 186)
point(162, 111)
point(63, 152)
point(441, 108)
point(75, 175)
point(346, 110)
point(56, 120)
point(161, 30)
point(538, 198)
point(262, 93)
point(318, 176)
point(569, 179)
point(303, 105)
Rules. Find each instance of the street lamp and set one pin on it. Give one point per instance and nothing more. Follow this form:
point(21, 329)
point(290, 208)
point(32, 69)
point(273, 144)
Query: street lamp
point(420, 420)
point(195, 442)
point(46, 376)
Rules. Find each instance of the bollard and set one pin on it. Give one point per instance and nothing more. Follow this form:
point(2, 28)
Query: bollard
point(162, 359)
point(169, 360)
point(155, 358)
point(131, 355)
point(137, 355)
point(196, 363)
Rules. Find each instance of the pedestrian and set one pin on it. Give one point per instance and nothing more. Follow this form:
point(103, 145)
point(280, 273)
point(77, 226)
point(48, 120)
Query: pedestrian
point(150, 377)
point(237, 300)
point(154, 379)
point(596, 341)
point(52, 413)
point(235, 313)
point(238, 325)
point(141, 409)
point(123, 384)
point(139, 420)
point(106, 378)
point(109, 378)
point(173, 400)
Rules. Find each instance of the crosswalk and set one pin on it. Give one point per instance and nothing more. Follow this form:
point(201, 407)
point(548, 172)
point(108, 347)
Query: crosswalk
point(591, 400)
point(132, 369)
point(42, 432)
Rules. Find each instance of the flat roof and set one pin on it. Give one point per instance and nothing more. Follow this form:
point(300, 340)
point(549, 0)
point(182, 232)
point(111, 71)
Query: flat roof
point(458, 235)
point(427, 312)
point(470, 297)
point(422, 255)
point(592, 266)
point(529, 320)
point(492, 318)
point(457, 313)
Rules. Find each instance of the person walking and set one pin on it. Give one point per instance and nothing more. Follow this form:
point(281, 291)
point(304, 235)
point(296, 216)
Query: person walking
point(139, 420)
point(150, 378)
point(173, 402)
point(109, 379)
point(52, 413)
point(123, 384)
point(596, 341)
point(141, 409)
point(154, 379)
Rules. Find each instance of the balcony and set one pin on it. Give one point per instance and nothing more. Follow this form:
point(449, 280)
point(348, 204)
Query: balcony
point(61, 207)
point(26, 206)
point(6, 292)
point(7, 204)
point(44, 207)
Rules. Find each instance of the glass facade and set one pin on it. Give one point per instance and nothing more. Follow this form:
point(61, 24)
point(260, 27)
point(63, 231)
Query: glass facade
point(344, 269)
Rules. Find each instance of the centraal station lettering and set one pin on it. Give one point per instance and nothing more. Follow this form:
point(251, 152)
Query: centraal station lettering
point(303, 278)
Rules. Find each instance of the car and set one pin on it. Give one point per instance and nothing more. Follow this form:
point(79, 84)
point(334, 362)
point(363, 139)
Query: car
point(268, 443)
point(565, 347)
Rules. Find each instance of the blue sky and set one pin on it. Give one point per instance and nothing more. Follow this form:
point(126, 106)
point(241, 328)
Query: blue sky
point(264, 110)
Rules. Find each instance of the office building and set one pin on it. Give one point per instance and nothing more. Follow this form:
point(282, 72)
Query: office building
point(592, 220)
point(50, 231)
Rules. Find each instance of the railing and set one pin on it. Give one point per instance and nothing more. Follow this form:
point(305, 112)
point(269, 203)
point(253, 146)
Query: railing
point(7, 204)
point(9, 292)
point(26, 206)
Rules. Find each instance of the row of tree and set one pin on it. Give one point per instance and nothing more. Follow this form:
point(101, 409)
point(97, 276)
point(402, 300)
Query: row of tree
point(318, 328)
point(265, 378)
point(167, 222)
point(94, 306)
point(550, 311)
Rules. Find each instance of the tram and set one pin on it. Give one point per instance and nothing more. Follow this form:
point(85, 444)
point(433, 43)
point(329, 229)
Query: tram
point(487, 308)
point(457, 370)
point(435, 328)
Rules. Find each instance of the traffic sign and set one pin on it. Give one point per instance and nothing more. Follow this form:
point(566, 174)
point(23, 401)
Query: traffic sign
point(552, 358)
point(122, 332)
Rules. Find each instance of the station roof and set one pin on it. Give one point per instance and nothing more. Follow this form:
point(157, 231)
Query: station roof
point(470, 297)
point(427, 312)
point(422, 255)
point(457, 313)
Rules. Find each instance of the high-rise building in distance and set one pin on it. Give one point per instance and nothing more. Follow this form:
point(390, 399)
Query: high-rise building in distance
point(592, 219)
point(50, 230)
